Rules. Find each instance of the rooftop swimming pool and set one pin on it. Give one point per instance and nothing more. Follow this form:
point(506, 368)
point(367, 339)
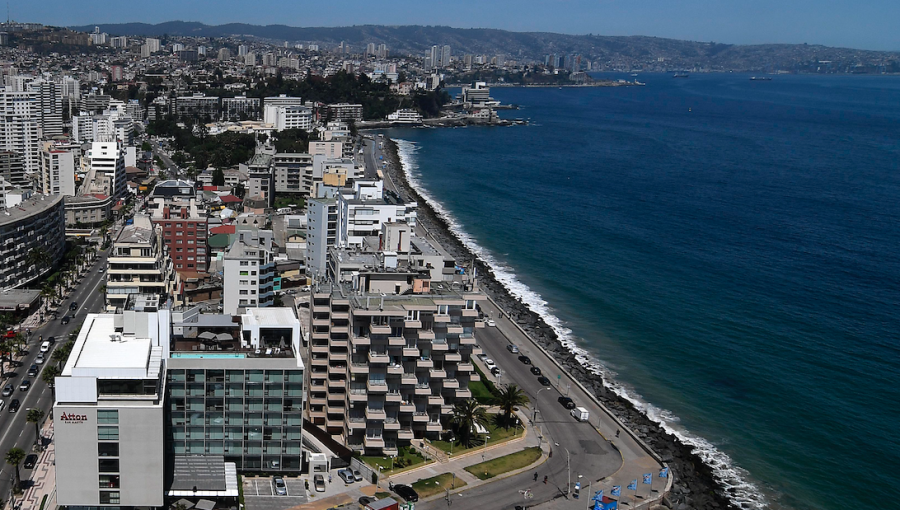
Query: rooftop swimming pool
point(208, 355)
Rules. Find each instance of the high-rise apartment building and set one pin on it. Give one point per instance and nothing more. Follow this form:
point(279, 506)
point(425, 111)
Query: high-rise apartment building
point(185, 230)
point(240, 108)
point(58, 165)
point(249, 271)
point(139, 264)
point(106, 163)
point(12, 169)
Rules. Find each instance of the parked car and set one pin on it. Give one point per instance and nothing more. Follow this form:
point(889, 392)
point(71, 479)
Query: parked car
point(25, 385)
point(525, 359)
point(30, 461)
point(488, 362)
point(280, 486)
point(14, 405)
point(513, 348)
point(491, 323)
point(566, 402)
point(346, 475)
point(406, 492)
point(2, 404)
point(544, 381)
point(482, 356)
point(33, 370)
point(8, 390)
point(357, 476)
point(319, 482)
point(496, 371)
point(65, 319)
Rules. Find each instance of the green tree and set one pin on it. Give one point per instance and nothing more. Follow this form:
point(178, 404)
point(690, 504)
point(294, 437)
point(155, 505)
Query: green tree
point(49, 377)
point(38, 257)
point(15, 456)
point(59, 357)
point(35, 415)
point(218, 177)
point(5, 355)
point(508, 398)
point(466, 415)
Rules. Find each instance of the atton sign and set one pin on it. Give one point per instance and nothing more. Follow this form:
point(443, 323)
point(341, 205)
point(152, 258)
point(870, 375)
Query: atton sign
point(73, 418)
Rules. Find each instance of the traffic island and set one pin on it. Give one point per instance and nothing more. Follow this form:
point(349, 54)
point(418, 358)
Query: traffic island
point(505, 464)
point(438, 484)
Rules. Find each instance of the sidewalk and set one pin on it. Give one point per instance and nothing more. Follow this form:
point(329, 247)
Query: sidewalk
point(43, 476)
point(458, 464)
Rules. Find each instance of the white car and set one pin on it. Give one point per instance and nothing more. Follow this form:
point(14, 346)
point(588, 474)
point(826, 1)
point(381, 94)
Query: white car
point(491, 323)
point(488, 362)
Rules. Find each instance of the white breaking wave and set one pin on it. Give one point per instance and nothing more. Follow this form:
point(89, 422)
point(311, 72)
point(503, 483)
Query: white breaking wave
point(733, 478)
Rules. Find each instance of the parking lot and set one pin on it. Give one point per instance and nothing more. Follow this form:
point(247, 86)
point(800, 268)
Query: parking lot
point(259, 494)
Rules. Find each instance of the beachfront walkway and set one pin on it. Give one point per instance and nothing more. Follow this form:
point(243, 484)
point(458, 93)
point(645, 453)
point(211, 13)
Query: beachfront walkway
point(43, 476)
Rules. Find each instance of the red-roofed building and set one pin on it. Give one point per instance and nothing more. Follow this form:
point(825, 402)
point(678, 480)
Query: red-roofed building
point(224, 229)
point(230, 199)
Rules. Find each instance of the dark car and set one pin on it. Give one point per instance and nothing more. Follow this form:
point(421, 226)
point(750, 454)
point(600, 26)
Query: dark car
point(74, 305)
point(544, 381)
point(33, 371)
point(525, 359)
point(14, 405)
point(406, 492)
point(25, 385)
point(51, 340)
point(535, 370)
point(30, 461)
point(65, 319)
point(567, 402)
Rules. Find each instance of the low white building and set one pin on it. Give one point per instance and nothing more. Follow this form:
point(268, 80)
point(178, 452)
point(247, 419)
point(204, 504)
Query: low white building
point(405, 116)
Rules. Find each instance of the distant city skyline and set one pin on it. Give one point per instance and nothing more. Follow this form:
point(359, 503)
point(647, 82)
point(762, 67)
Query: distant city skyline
point(845, 23)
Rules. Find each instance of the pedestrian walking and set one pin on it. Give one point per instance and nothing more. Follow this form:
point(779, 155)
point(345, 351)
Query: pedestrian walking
point(617, 432)
point(535, 476)
point(545, 479)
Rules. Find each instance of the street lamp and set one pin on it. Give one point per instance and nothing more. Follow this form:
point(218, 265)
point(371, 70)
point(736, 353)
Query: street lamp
point(534, 410)
point(484, 451)
point(568, 472)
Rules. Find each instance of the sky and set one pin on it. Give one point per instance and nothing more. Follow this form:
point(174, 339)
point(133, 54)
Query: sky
point(863, 24)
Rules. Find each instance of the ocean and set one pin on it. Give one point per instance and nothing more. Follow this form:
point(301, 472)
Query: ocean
point(726, 250)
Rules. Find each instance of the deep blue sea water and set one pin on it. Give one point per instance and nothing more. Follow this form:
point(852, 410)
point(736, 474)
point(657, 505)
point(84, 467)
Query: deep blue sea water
point(727, 249)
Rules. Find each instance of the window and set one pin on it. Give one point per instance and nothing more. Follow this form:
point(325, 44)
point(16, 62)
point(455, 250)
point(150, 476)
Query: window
point(109, 482)
point(108, 449)
point(244, 273)
point(109, 497)
point(108, 433)
point(243, 282)
point(252, 273)
point(243, 292)
point(243, 262)
point(242, 302)
point(109, 465)
point(107, 416)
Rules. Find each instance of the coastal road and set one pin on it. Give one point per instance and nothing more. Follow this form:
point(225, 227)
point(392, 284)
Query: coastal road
point(15, 431)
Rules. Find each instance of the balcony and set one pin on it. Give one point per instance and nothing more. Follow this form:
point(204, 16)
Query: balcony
point(337, 369)
point(380, 329)
point(375, 413)
point(407, 407)
point(408, 378)
point(434, 426)
point(374, 442)
point(358, 394)
point(338, 356)
point(441, 318)
point(396, 341)
point(476, 350)
point(439, 345)
point(393, 394)
point(423, 389)
point(360, 340)
point(463, 393)
point(336, 383)
point(379, 358)
point(435, 400)
point(412, 324)
point(359, 368)
point(334, 422)
point(318, 401)
point(420, 417)
point(319, 362)
point(450, 383)
point(424, 363)
point(356, 422)
point(474, 377)
point(339, 343)
point(437, 373)
point(426, 334)
point(319, 348)
point(395, 369)
point(452, 356)
point(465, 367)
point(405, 433)
point(376, 386)
point(410, 351)
point(391, 423)
point(390, 448)
point(467, 339)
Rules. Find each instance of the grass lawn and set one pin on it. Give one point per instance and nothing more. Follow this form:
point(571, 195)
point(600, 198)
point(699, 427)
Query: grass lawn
point(480, 393)
point(406, 459)
point(505, 464)
point(382, 495)
point(437, 484)
point(497, 434)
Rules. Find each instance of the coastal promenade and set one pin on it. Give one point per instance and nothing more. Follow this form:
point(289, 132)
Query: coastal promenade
point(589, 453)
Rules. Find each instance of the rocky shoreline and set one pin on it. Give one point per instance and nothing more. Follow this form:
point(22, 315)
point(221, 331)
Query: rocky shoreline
point(695, 486)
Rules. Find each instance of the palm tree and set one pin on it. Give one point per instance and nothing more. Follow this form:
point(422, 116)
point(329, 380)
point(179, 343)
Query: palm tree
point(5, 354)
point(49, 377)
point(466, 415)
point(508, 399)
point(36, 416)
point(19, 340)
point(15, 456)
point(59, 356)
point(38, 257)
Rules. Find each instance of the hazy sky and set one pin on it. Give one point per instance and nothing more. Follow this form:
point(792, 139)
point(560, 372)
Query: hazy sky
point(867, 24)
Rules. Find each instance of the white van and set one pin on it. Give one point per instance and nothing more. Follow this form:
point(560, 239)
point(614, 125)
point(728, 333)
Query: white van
point(45, 346)
point(580, 414)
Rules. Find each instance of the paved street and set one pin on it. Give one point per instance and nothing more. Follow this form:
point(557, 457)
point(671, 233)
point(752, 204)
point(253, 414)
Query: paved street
point(16, 432)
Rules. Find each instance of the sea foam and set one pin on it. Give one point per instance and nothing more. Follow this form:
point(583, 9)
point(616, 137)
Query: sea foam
point(743, 493)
